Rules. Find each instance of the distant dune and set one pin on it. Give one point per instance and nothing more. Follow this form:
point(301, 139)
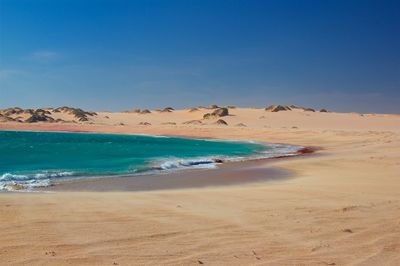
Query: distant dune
point(273, 116)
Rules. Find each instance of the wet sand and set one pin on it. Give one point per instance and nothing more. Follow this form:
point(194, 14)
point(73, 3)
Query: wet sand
point(231, 173)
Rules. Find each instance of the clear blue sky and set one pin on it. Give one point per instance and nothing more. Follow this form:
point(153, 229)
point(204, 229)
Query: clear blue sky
point(116, 55)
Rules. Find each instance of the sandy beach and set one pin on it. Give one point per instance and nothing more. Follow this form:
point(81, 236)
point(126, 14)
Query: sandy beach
point(340, 206)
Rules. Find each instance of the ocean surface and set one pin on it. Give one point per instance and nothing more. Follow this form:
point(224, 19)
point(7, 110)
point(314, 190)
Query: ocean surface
point(36, 159)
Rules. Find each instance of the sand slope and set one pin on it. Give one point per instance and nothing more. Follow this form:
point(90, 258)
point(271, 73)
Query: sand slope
point(341, 207)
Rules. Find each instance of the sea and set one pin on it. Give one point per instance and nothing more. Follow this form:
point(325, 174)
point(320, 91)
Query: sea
point(38, 159)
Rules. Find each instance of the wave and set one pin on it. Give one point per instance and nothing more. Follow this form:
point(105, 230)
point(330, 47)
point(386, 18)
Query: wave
point(16, 182)
point(281, 150)
point(177, 163)
point(273, 151)
point(42, 175)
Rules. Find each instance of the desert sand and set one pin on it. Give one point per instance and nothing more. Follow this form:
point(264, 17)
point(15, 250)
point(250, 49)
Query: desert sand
point(341, 206)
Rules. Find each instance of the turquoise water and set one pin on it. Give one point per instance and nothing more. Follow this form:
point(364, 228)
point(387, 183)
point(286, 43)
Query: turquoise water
point(31, 159)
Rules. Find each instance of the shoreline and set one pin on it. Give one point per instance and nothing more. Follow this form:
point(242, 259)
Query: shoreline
point(229, 173)
point(224, 173)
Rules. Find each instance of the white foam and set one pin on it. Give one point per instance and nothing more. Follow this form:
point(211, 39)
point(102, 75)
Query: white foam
point(272, 151)
point(19, 182)
point(171, 164)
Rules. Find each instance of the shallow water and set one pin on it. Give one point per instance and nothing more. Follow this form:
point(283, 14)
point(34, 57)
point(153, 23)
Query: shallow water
point(32, 159)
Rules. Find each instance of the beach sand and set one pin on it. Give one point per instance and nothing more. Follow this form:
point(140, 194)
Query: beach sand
point(340, 206)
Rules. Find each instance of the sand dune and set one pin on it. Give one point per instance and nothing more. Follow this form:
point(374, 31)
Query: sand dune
point(340, 207)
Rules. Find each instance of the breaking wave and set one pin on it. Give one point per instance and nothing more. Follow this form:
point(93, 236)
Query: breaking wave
point(15, 182)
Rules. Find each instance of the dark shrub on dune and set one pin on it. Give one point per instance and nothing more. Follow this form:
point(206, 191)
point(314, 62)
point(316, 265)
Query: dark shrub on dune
point(29, 111)
point(221, 122)
point(12, 111)
point(240, 125)
point(79, 114)
point(207, 116)
point(307, 109)
point(220, 112)
point(277, 108)
point(62, 109)
point(193, 122)
point(43, 112)
point(4, 118)
point(39, 117)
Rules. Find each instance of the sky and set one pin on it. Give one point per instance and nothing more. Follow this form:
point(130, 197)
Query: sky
point(117, 55)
